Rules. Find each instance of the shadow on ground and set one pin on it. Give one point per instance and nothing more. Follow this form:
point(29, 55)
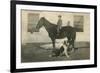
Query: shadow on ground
point(33, 52)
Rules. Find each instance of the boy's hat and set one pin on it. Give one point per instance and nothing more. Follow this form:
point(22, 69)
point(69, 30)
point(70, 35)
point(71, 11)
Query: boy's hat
point(59, 15)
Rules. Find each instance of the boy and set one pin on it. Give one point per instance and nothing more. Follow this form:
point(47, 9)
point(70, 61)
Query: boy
point(59, 24)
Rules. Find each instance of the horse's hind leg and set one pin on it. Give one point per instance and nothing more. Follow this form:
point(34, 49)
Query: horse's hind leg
point(53, 43)
point(72, 46)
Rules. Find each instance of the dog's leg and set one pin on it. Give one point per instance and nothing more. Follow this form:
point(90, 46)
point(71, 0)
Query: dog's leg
point(65, 52)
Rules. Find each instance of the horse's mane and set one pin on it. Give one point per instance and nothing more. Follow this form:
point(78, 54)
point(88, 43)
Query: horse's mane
point(52, 24)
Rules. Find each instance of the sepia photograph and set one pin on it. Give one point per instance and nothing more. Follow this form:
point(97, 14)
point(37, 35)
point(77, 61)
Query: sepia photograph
point(54, 36)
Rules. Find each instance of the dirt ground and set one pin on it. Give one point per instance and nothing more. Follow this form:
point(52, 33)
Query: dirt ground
point(33, 52)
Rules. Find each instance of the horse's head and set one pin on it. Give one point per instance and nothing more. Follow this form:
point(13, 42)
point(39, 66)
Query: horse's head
point(40, 23)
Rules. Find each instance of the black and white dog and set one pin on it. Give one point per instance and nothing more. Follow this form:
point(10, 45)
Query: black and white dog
point(64, 49)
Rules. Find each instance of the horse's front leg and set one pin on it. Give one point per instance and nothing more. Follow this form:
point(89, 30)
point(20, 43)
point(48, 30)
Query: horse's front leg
point(54, 44)
point(54, 48)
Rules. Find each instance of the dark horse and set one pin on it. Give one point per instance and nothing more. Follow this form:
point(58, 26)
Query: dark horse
point(67, 31)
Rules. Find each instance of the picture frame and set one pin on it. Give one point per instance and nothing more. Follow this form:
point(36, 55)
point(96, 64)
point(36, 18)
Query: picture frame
point(17, 13)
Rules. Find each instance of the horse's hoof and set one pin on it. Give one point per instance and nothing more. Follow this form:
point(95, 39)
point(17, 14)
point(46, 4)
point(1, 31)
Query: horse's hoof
point(53, 55)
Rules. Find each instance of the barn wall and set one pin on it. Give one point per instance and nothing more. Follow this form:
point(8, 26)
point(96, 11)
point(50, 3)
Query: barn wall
point(42, 36)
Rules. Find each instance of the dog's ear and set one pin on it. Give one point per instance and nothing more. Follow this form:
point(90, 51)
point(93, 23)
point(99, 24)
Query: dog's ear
point(66, 44)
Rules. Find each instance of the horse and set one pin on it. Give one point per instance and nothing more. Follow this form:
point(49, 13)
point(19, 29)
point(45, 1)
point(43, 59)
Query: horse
point(66, 31)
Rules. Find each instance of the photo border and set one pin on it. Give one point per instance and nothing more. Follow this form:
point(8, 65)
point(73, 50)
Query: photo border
point(13, 35)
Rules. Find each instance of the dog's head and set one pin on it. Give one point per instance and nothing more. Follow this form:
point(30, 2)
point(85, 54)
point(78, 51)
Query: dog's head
point(66, 43)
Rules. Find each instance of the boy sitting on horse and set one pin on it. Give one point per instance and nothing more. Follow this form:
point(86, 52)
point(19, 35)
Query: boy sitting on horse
point(59, 24)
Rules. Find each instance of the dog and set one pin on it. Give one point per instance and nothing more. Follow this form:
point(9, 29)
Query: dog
point(63, 50)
